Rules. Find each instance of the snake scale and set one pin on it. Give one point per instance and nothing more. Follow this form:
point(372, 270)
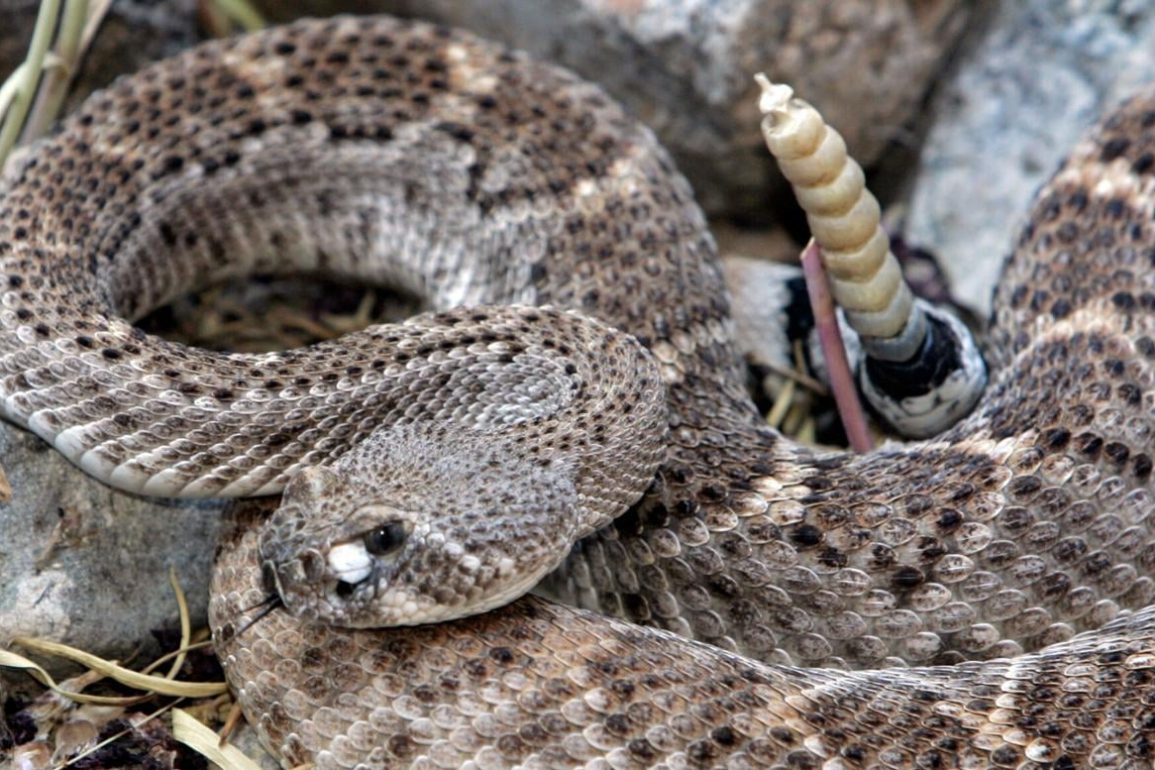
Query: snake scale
point(1017, 547)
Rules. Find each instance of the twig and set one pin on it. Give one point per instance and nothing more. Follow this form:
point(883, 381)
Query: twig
point(788, 373)
point(830, 338)
point(179, 655)
point(117, 736)
point(781, 405)
point(190, 731)
point(10, 87)
point(222, 14)
point(243, 13)
point(54, 85)
point(96, 13)
point(28, 76)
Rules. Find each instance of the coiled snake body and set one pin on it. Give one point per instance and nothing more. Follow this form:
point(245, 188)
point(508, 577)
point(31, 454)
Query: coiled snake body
point(407, 154)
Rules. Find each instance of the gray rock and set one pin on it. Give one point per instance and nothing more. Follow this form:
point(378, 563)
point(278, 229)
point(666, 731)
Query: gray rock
point(685, 67)
point(88, 566)
point(1021, 97)
point(245, 738)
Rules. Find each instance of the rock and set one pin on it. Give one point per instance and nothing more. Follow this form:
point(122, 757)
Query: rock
point(86, 565)
point(1021, 97)
point(685, 67)
point(246, 740)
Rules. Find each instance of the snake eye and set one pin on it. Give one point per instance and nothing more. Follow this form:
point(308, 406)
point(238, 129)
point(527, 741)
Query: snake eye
point(385, 539)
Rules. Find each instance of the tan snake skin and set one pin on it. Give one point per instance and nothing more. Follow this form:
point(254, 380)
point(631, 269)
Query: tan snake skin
point(402, 153)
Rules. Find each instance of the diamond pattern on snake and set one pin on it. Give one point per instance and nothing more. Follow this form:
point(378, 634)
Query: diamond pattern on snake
point(980, 598)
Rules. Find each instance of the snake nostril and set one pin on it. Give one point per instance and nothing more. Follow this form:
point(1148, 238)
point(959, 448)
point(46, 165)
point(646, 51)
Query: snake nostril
point(312, 566)
point(344, 590)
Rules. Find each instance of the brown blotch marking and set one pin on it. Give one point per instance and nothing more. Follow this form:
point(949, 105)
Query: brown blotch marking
point(1141, 467)
point(806, 535)
point(1088, 444)
point(906, 578)
point(1114, 148)
point(401, 746)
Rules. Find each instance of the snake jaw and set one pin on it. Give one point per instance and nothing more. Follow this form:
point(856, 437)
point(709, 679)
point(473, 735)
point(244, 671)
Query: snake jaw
point(326, 566)
point(409, 534)
point(422, 529)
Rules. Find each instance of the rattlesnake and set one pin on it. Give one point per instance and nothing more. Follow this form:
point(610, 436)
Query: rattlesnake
point(410, 154)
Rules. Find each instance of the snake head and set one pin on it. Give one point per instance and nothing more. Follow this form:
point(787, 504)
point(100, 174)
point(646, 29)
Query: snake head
point(415, 536)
